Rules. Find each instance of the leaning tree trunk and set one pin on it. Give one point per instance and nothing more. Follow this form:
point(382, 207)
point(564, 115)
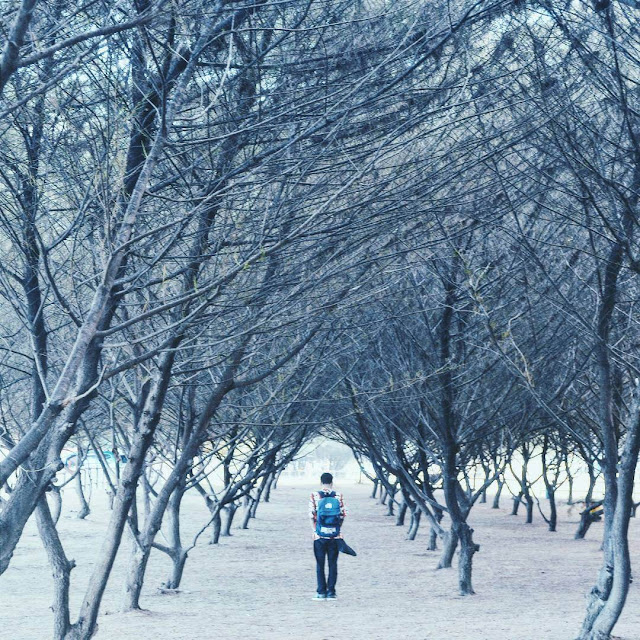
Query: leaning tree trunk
point(85, 626)
point(254, 506)
point(402, 513)
point(30, 485)
point(592, 513)
point(608, 596)
point(603, 589)
point(390, 506)
point(267, 491)
point(414, 525)
point(247, 511)
point(587, 518)
point(258, 498)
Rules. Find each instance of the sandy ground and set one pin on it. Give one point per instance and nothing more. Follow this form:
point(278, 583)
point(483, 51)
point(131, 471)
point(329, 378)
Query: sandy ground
point(258, 584)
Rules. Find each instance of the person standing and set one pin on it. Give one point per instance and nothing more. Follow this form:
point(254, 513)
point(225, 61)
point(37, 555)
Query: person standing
point(327, 512)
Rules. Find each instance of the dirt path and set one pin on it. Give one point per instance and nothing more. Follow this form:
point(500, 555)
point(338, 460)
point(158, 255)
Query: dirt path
point(258, 585)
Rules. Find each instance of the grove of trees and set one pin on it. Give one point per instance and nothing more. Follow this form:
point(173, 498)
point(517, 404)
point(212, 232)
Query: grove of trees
point(227, 226)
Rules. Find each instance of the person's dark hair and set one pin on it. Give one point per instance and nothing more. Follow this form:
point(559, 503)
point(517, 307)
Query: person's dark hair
point(326, 478)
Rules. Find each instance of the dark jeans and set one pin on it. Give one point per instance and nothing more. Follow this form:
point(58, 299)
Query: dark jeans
point(326, 548)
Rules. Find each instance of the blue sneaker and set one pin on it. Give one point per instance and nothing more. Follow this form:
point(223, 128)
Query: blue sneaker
point(320, 596)
point(331, 596)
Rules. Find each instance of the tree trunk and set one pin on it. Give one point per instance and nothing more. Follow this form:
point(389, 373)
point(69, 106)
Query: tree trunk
point(583, 527)
point(56, 498)
point(374, 491)
point(30, 485)
point(391, 502)
point(170, 500)
point(608, 596)
point(553, 517)
point(146, 494)
point(589, 515)
point(135, 576)
point(176, 552)
point(267, 491)
point(516, 503)
point(217, 528)
point(230, 510)
point(258, 497)
point(247, 512)
point(84, 627)
point(60, 566)
point(530, 503)
point(449, 546)
point(46, 436)
point(592, 485)
point(178, 561)
point(254, 506)
point(586, 517)
point(432, 545)
point(467, 550)
point(483, 495)
point(402, 512)
point(84, 505)
point(414, 525)
point(570, 480)
point(496, 497)
point(550, 484)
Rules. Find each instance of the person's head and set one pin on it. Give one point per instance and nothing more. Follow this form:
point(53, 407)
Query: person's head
point(326, 479)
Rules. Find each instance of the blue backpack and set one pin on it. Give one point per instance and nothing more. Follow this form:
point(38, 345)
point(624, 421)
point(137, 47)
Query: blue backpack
point(329, 516)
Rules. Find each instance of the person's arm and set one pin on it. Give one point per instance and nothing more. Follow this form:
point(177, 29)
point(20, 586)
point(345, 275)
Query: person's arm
point(343, 508)
point(313, 513)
